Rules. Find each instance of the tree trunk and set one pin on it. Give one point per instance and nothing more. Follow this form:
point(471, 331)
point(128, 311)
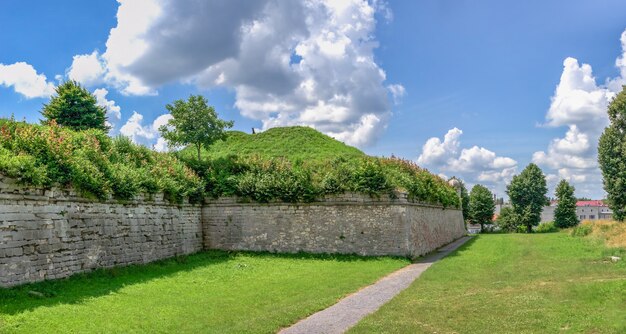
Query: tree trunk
point(198, 147)
point(529, 229)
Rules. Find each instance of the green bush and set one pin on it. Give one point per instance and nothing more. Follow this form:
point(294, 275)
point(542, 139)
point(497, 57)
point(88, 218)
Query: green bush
point(22, 167)
point(265, 179)
point(507, 221)
point(582, 230)
point(92, 163)
point(547, 227)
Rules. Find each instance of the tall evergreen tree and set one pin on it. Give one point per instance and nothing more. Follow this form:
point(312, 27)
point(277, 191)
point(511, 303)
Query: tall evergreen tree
point(527, 192)
point(565, 212)
point(612, 156)
point(481, 206)
point(73, 106)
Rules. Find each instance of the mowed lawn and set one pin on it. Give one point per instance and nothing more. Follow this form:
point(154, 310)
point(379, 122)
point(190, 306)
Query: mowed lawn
point(513, 283)
point(209, 292)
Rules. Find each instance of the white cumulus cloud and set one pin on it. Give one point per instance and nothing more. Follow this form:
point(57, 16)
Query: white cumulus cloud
point(144, 134)
point(25, 80)
point(289, 62)
point(437, 153)
point(473, 165)
point(397, 92)
point(87, 69)
point(113, 113)
point(579, 103)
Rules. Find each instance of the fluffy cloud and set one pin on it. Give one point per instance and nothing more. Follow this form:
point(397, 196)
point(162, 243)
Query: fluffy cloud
point(143, 134)
point(437, 153)
point(615, 84)
point(578, 99)
point(579, 104)
point(113, 110)
point(87, 69)
point(474, 164)
point(24, 79)
point(397, 92)
point(288, 62)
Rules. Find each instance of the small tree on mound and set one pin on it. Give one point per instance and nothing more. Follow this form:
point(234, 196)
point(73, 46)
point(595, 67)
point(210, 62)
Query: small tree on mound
point(481, 206)
point(73, 106)
point(527, 192)
point(565, 212)
point(612, 156)
point(194, 122)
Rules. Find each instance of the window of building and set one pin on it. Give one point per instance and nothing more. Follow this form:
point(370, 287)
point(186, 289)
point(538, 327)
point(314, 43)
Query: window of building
point(592, 217)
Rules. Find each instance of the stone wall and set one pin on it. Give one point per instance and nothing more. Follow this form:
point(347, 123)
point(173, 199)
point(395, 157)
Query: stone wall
point(53, 234)
point(350, 223)
point(48, 234)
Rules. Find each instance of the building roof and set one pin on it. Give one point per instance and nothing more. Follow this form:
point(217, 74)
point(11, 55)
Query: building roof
point(590, 203)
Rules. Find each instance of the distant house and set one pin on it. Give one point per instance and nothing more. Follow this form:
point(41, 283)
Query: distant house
point(473, 228)
point(593, 210)
point(585, 210)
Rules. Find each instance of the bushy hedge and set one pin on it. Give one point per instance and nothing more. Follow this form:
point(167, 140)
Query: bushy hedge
point(100, 166)
point(547, 227)
point(91, 162)
point(264, 179)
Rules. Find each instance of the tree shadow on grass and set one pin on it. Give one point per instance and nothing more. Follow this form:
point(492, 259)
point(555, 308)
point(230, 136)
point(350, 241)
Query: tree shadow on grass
point(436, 255)
point(80, 287)
point(464, 247)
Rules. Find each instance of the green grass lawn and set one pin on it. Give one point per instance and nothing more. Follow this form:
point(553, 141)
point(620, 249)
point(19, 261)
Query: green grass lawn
point(513, 283)
point(209, 292)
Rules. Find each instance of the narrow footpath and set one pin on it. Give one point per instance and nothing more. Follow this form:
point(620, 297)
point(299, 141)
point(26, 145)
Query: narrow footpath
point(350, 310)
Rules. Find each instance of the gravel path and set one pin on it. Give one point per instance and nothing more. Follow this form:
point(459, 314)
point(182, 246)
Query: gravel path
point(350, 310)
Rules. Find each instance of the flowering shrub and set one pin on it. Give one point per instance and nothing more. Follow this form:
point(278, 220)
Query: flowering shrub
point(91, 162)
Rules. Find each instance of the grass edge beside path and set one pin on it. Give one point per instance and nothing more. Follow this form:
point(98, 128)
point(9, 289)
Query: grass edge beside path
point(512, 283)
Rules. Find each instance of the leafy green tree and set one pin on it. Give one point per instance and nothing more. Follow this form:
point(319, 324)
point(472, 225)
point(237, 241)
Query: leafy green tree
point(73, 106)
point(527, 192)
point(481, 206)
point(565, 212)
point(612, 156)
point(465, 199)
point(507, 221)
point(194, 122)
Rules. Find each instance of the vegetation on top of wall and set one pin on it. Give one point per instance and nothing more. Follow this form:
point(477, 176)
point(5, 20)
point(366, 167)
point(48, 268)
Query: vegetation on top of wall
point(292, 143)
point(91, 162)
point(99, 166)
point(266, 179)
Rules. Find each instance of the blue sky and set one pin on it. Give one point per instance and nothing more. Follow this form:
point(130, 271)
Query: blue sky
point(389, 77)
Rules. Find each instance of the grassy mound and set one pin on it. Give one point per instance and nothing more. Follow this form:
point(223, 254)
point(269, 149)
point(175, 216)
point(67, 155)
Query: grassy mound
point(292, 143)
